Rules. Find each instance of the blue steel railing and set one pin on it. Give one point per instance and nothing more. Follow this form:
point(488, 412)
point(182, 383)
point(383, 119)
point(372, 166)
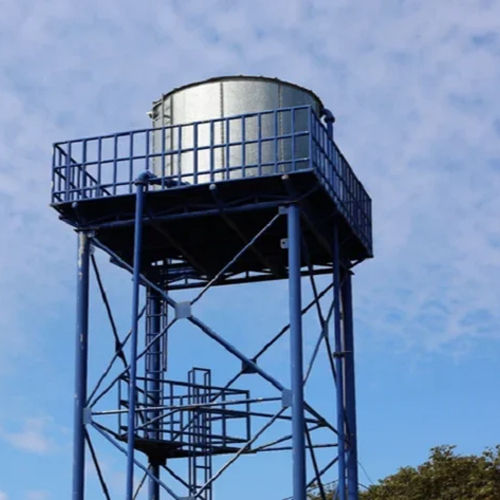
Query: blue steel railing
point(225, 413)
point(340, 181)
point(256, 144)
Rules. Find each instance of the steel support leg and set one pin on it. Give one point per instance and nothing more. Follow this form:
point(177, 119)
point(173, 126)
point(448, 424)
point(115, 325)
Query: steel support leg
point(298, 424)
point(81, 357)
point(350, 396)
point(339, 368)
point(153, 485)
point(139, 204)
point(153, 369)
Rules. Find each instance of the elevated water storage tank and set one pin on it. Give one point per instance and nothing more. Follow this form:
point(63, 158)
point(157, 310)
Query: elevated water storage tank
point(256, 144)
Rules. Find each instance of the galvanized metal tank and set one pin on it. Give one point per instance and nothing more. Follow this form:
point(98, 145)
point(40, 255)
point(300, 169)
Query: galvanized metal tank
point(253, 145)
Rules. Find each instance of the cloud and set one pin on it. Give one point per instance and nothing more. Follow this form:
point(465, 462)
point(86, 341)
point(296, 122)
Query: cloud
point(31, 438)
point(37, 495)
point(413, 85)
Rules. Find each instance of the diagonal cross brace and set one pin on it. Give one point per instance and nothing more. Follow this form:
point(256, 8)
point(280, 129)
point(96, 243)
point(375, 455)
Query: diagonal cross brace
point(136, 462)
point(206, 329)
point(233, 350)
point(237, 256)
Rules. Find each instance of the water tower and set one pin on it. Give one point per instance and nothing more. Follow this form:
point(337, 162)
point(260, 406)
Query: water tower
point(238, 181)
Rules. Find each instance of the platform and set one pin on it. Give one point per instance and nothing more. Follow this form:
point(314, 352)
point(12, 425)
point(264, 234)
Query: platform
point(93, 189)
point(193, 419)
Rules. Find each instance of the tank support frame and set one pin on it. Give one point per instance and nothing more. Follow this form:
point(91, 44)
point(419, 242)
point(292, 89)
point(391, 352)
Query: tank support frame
point(303, 417)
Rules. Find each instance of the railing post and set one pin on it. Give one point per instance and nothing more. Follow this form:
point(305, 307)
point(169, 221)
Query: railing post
point(81, 358)
point(298, 423)
point(53, 176)
point(311, 138)
point(68, 170)
point(83, 170)
point(292, 131)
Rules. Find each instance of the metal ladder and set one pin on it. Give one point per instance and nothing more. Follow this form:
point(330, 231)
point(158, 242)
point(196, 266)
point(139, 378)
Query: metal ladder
point(200, 430)
point(155, 358)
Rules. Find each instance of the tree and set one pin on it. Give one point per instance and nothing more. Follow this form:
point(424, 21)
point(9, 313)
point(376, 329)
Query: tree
point(444, 476)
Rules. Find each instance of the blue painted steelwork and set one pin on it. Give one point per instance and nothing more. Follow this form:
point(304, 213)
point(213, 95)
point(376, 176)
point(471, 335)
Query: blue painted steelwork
point(173, 424)
point(155, 322)
point(296, 357)
point(200, 442)
point(141, 183)
point(106, 166)
point(309, 199)
point(339, 367)
point(81, 355)
point(350, 391)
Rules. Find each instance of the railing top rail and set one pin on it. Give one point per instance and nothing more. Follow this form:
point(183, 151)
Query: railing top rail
point(93, 167)
point(340, 153)
point(124, 133)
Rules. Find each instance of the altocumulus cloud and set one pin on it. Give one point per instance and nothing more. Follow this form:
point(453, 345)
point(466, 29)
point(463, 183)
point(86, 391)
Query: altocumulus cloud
point(413, 85)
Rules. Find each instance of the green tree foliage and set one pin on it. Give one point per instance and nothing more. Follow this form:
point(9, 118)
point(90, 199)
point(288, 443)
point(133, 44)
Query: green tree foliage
point(444, 476)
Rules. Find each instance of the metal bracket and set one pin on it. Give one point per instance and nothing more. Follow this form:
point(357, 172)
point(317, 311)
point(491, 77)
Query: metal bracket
point(341, 354)
point(87, 416)
point(284, 243)
point(144, 178)
point(286, 398)
point(182, 310)
point(246, 367)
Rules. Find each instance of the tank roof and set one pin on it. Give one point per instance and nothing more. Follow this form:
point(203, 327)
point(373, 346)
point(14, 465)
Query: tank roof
point(239, 77)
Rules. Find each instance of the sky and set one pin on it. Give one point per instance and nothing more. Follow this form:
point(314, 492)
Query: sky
point(414, 88)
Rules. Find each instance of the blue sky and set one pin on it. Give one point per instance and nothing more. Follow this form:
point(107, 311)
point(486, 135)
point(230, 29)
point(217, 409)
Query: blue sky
point(414, 87)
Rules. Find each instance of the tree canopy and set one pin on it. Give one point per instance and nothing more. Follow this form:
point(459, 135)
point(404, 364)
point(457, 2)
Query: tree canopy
point(446, 475)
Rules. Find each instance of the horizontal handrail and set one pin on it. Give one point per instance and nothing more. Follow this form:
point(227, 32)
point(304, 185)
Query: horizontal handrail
point(253, 144)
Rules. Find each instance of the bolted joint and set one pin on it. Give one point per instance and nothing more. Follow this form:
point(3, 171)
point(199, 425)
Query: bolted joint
point(341, 354)
point(247, 367)
point(183, 310)
point(87, 416)
point(321, 422)
point(286, 398)
point(284, 243)
point(89, 232)
point(144, 178)
point(329, 117)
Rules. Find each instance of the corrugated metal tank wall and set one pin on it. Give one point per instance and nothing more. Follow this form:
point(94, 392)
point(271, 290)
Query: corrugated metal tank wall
point(221, 98)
